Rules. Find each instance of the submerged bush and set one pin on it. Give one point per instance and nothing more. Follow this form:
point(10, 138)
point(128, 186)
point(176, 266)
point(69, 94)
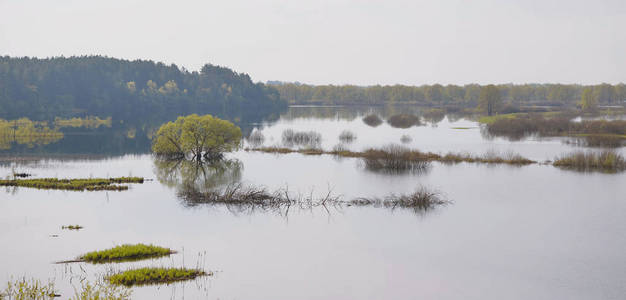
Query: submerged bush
point(310, 138)
point(126, 252)
point(256, 138)
point(395, 158)
point(403, 121)
point(144, 276)
point(608, 161)
point(372, 120)
point(405, 139)
point(347, 136)
point(421, 199)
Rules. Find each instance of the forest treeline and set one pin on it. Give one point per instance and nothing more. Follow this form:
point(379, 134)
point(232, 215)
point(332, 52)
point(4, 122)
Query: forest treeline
point(42, 89)
point(436, 95)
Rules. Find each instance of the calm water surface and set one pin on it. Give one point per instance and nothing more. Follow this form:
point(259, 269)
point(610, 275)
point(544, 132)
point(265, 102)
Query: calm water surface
point(533, 232)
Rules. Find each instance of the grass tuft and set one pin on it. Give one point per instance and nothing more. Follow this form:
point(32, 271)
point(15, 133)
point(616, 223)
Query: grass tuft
point(606, 161)
point(31, 289)
point(146, 276)
point(125, 253)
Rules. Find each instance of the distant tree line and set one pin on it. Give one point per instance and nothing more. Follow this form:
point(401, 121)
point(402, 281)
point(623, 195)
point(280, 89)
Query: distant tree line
point(437, 94)
point(42, 89)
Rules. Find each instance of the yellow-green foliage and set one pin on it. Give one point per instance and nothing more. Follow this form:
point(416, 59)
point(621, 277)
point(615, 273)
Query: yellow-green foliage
point(101, 291)
point(94, 184)
point(32, 289)
point(72, 227)
point(88, 122)
point(197, 135)
point(126, 252)
point(144, 276)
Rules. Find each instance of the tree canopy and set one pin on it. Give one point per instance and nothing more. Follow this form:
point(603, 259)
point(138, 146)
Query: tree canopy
point(200, 137)
point(43, 89)
point(489, 99)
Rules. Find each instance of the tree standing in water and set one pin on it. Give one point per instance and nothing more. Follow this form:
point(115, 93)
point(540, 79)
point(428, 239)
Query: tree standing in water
point(201, 137)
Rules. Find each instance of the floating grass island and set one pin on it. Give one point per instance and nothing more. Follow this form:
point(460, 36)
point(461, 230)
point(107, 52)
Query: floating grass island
point(72, 227)
point(124, 253)
point(146, 276)
point(87, 184)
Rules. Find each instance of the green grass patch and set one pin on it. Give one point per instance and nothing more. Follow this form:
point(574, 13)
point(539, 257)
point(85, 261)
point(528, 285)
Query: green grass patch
point(126, 253)
point(92, 184)
point(72, 227)
point(145, 276)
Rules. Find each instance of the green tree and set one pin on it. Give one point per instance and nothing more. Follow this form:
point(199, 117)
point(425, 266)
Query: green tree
point(199, 136)
point(489, 99)
point(588, 101)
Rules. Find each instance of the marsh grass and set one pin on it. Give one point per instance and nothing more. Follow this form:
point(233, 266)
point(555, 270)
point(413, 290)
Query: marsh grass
point(29, 289)
point(395, 158)
point(101, 291)
point(605, 161)
point(93, 184)
point(400, 157)
point(126, 252)
point(372, 120)
point(403, 121)
point(347, 136)
point(422, 198)
point(72, 227)
point(153, 275)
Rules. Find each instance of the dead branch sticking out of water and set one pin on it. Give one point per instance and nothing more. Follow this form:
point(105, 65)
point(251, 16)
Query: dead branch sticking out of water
point(240, 198)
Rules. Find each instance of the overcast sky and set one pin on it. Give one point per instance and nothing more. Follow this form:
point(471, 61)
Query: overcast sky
point(339, 41)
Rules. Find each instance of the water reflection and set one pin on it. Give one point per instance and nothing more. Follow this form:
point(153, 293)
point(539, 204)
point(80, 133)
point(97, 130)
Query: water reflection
point(200, 176)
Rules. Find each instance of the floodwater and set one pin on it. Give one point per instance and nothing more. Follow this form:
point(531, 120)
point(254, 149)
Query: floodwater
point(531, 232)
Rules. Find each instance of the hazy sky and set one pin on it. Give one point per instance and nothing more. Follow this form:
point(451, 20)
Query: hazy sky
point(340, 41)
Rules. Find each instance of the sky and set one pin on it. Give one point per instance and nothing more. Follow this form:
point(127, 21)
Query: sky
point(340, 41)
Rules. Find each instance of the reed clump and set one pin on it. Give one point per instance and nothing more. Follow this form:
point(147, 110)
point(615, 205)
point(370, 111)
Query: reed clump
point(422, 198)
point(126, 252)
point(606, 161)
point(152, 275)
point(92, 184)
point(372, 120)
point(403, 121)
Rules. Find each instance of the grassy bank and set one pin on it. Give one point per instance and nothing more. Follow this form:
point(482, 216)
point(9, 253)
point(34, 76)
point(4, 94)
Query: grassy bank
point(93, 184)
point(126, 253)
point(145, 276)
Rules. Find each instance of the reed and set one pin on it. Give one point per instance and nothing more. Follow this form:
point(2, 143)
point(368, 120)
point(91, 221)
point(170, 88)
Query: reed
point(606, 161)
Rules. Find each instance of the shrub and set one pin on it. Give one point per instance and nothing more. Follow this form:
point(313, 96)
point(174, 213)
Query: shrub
point(347, 136)
point(421, 199)
point(372, 120)
point(403, 121)
point(310, 138)
point(405, 139)
point(256, 138)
